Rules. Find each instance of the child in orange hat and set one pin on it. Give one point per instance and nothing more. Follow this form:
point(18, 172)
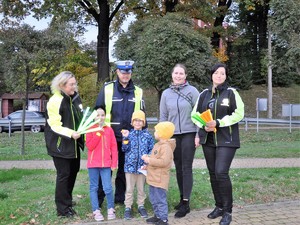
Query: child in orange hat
point(136, 142)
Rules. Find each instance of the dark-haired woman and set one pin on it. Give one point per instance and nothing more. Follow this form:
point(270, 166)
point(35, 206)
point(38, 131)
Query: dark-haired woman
point(220, 137)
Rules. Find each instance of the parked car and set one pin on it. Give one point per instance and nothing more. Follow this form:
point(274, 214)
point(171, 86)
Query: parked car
point(37, 120)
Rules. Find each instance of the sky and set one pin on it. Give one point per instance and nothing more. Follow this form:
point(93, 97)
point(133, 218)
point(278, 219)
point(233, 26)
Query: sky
point(90, 35)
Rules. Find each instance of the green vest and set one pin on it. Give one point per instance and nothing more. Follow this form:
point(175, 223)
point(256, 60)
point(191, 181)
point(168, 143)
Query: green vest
point(109, 91)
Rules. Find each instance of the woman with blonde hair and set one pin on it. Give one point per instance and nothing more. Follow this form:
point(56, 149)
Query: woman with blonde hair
point(63, 116)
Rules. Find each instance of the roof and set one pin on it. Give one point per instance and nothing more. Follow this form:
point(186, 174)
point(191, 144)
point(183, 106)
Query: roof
point(35, 95)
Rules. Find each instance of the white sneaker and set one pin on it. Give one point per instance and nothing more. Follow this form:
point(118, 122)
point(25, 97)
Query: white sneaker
point(97, 215)
point(111, 214)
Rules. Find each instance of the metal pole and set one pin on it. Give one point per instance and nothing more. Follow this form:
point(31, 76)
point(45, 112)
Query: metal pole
point(9, 127)
point(257, 115)
point(291, 107)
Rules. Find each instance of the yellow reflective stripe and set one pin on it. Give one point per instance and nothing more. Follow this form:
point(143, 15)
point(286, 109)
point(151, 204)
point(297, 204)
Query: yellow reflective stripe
point(138, 94)
point(108, 90)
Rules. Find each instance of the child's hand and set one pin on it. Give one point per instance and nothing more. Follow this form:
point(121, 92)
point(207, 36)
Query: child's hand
point(113, 169)
point(125, 133)
point(144, 167)
point(146, 158)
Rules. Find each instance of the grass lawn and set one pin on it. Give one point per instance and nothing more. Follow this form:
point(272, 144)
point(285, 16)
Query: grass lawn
point(27, 196)
point(271, 143)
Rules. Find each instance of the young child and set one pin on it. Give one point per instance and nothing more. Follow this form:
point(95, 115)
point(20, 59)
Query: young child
point(136, 142)
point(102, 159)
point(158, 166)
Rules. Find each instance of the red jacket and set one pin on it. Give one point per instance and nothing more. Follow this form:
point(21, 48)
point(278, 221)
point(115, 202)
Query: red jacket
point(102, 148)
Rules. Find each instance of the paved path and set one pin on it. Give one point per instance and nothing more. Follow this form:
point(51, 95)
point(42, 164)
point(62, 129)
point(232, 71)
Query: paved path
point(198, 163)
point(278, 213)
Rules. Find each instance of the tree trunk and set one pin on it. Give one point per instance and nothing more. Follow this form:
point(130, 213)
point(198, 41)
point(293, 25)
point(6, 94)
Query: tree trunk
point(223, 6)
point(103, 42)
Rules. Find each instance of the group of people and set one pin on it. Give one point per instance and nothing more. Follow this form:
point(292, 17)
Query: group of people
point(122, 142)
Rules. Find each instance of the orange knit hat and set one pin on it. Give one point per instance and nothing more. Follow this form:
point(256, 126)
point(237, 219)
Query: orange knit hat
point(165, 130)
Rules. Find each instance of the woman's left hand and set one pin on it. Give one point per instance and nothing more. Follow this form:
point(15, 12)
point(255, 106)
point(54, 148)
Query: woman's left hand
point(197, 142)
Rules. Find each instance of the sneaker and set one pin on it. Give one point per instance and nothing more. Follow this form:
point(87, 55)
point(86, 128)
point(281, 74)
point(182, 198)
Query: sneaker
point(152, 220)
point(226, 219)
point(127, 214)
point(215, 213)
point(143, 212)
point(97, 215)
point(111, 214)
point(162, 222)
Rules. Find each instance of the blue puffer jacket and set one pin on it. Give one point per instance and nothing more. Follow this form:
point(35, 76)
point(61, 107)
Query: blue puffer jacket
point(138, 143)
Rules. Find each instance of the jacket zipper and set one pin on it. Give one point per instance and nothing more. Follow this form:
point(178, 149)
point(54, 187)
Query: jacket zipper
point(215, 115)
point(74, 126)
point(179, 124)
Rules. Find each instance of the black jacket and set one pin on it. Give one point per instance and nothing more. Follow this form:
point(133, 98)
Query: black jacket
point(227, 110)
point(122, 106)
point(63, 116)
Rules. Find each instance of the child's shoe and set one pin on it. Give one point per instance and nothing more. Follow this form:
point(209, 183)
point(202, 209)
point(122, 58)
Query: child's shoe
point(97, 215)
point(162, 222)
point(127, 214)
point(152, 220)
point(143, 212)
point(111, 214)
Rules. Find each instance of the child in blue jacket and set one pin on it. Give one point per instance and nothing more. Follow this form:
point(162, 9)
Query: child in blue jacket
point(136, 142)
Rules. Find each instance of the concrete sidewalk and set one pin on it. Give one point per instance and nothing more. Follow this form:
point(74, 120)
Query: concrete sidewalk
point(198, 163)
point(278, 213)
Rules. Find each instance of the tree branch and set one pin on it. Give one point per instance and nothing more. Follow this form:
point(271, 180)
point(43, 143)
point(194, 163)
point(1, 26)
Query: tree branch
point(116, 10)
point(87, 6)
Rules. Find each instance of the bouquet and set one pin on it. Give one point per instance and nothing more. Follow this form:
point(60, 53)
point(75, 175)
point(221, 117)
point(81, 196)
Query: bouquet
point(204, 117)
point(87, 122)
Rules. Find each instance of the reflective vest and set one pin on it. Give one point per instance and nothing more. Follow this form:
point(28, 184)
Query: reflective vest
point(109, 91)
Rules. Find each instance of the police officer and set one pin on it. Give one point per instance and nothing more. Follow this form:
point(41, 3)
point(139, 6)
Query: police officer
point(120, 98)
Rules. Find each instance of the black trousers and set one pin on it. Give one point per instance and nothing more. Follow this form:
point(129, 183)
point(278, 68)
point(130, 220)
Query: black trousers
point(183, 159)
point(218, 160)
point(120, 181)
point(66, 173)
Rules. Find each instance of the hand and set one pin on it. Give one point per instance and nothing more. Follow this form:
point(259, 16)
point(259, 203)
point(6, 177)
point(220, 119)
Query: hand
point(125, 133)
point(144, 167)
point(145, 158)
point(197, 142)
point(75, 135)
point(113, 169)
point(208, 129)
point(211, 124)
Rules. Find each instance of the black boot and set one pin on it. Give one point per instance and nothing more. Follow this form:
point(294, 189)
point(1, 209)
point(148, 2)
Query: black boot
point(226, 219)
point(183, 210)
point(177, 207)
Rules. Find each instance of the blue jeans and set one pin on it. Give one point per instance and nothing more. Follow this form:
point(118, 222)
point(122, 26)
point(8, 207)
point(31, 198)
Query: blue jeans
point(158, 199)
point(94, 174)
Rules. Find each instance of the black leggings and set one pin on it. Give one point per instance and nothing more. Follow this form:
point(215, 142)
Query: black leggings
point(218, 160)
point(183, 158)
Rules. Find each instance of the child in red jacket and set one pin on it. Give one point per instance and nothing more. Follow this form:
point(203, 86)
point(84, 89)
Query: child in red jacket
point(102, 159)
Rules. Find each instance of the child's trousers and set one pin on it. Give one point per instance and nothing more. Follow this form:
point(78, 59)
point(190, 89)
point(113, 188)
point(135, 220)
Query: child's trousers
point(158, 199)
point(133, 180)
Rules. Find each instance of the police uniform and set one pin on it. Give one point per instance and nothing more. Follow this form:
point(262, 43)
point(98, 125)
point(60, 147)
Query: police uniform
point(119, 103)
